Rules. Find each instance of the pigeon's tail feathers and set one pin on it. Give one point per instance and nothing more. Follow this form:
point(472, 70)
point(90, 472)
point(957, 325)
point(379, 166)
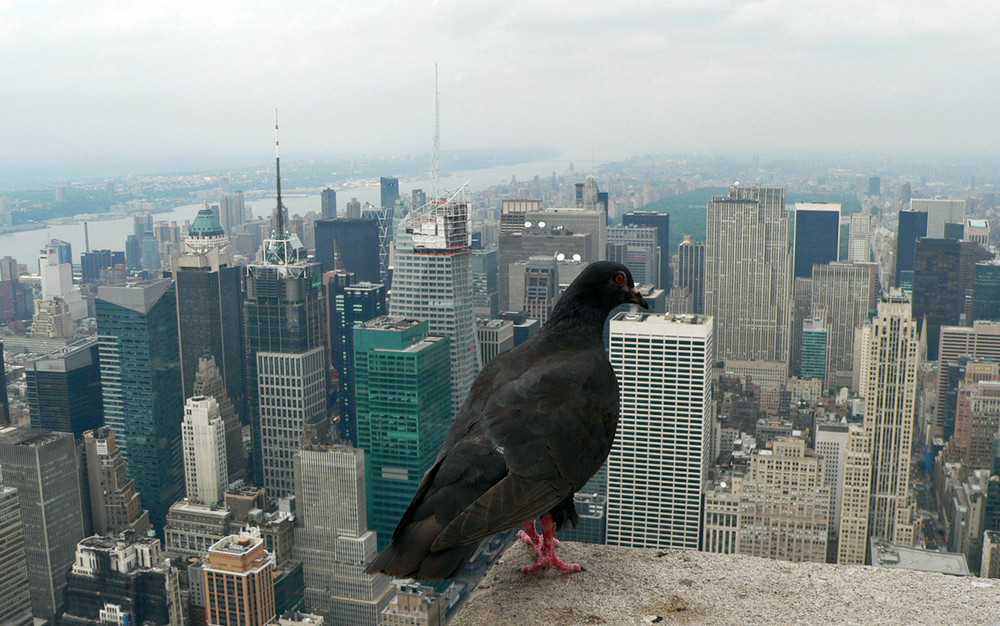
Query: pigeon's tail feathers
point(409, 554)
point(511, 502)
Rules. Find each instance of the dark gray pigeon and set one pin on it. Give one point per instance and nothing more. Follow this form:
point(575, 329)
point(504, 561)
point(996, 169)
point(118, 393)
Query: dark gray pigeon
point(537, 424)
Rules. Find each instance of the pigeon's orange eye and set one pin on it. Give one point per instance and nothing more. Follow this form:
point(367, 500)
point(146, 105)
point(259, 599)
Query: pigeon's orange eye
point(620, 278)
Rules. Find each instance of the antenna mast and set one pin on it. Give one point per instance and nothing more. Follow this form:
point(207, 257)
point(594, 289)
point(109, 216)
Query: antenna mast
point(436, 173)
point(279, 223)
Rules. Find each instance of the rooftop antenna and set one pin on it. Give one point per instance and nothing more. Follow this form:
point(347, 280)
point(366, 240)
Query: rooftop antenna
point(436, 173)
point(279, 223)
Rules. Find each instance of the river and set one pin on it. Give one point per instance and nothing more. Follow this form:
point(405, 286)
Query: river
point(111, 233)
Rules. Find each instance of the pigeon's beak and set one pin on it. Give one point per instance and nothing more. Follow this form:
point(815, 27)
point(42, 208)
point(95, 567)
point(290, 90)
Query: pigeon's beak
point(634, 297)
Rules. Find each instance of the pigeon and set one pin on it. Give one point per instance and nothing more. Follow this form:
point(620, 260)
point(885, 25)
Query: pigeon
point(538, 422)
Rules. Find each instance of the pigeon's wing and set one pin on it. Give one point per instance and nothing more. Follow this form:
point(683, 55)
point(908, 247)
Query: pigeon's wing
point(554, 426)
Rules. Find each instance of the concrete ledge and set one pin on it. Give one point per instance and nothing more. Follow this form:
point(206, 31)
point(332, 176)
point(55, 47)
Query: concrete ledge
point(641, 586)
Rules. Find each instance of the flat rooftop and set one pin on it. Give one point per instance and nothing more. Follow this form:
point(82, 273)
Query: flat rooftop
point(890, 556)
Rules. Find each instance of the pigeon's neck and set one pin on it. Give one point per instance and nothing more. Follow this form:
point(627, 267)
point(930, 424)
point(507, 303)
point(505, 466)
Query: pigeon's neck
point(578, 318)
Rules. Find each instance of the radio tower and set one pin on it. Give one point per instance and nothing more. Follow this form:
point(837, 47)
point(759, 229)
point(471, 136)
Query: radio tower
point(436, 173)
point(279, 222)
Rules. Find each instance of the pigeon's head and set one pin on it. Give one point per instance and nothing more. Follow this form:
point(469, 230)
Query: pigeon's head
point(610, 284)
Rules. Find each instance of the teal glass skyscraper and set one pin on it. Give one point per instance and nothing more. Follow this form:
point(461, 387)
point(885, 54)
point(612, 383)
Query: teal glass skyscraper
point(141, 384)
point(814, 336)
point(404, 411)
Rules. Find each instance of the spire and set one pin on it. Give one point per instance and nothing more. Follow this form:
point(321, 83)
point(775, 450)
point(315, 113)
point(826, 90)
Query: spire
point(437, 138)
point(279, 222)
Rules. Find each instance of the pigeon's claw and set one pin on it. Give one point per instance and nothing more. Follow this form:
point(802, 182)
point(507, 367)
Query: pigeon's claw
point(545, 547)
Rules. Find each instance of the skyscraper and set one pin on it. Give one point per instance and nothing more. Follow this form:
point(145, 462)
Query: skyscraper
point(15, 596)
point(937, 291)
point(238, 578)
point(433, 282)
point(141, 382)
point(389, 192)
point(748, 274)
point(208, 382)
point(203, 434)
point(286, 361)
point(232, 212)
point(115, 505)
point(659, 460)
point(210, 303)
point(92, 262)
point(981, 340)
point(846, 292)
point(940, 211)
point(64, 389)
point(328, 203)
point(636, 247)
point(332, 538)
point(814, 353)
point(42, 466)
point(4, 399)
point(986, 291)
point(404, 410)
point(817, 235)
point(485, 276)
point(912, 226)
point(877, 498)
point(660, 221)
point(859, 242)
point(355, 241)
point(536, 240)
point(690, 270)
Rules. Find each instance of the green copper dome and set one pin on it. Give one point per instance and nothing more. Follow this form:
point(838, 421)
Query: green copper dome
point(206, 225)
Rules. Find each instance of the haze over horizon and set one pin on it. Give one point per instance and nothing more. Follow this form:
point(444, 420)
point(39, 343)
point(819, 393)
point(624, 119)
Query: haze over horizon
point(187, 82)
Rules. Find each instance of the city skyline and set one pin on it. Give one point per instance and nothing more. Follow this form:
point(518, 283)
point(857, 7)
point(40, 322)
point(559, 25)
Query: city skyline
point(822, 68)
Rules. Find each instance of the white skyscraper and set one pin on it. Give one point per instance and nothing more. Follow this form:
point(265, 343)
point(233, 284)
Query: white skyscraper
point(940, 211)
point(877, 498)
point(432, 282)
point(859, 238)
point(203, 434)
point(748, 274)
point(658, 464)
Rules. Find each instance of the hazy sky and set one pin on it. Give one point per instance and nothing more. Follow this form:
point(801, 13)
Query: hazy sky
point(99, 80)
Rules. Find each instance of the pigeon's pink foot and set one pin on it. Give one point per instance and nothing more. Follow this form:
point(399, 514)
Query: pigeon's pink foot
point(545, 548)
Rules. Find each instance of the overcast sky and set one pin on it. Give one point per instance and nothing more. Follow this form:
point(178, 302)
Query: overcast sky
point(98, 80)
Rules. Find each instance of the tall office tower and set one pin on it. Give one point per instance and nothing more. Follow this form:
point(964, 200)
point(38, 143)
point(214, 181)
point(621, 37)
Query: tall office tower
point(133, 252)
point(354, 241)
point(874, 185)
point(592, 222)
point(785, 504)
point(394, 358)
point(142, 224)
point(232, 211)
point(538, 279)
point(535, 241)
point(42, 466)
point(64, 388)
point(92, 262)
point(831, 445)
point(328, 203)
point(51, 319)
point(122, 581)
point(495, 336)
point(748, 274)
point(418, 198)
point(878, 455)
point(204, 440)
point(387, 219)
point(986, 291)
point(939, 212)
point(661, 222)
point(514, 214)
point(433, 282)
point(389, 188)
point(971, 255)
point(209, 307)
point(416, 605)
point(350, 305)
point(814, 353)
point(937, 290)
point(912, 226)
point(286, 361)
point(9, 268)
point(977, 418)
point(636, 247)
point(208, 382)
point(660, 457)
point(977, 230)
point(847, 292)
point(587, 194)
point(57, 280)
point(980, 341)
point(801, 311)
point(115, 505)
point(353, 209)
point(817, 235)
point(485, 274)
point(332, 538)
point(859, 238)
point(238, 579)
point(141, 383)
point(15, 597)
point(63, 251)
point(4, 398)
point(690, 270)
point(151, 260)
